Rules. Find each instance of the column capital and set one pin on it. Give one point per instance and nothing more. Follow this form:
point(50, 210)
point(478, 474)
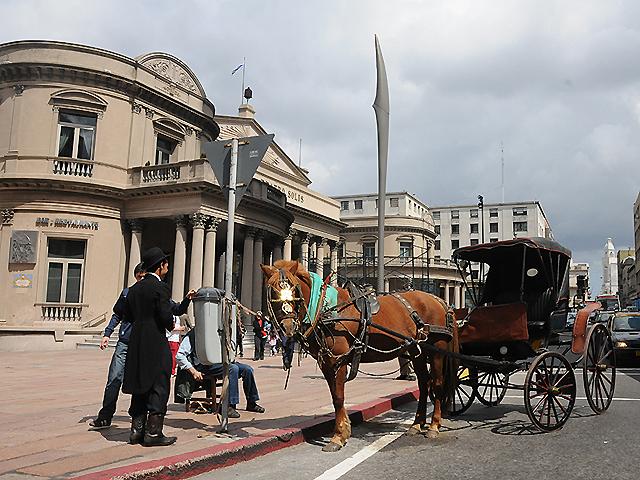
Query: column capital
point(306, 237)
point(135, 224)
point(198, 220)
point(290, 234)
point(323, 242)
point(182, 221)
point(212, 223)
point(7, 216)
point(250, 232)
point(18, 89)
point(259, 234)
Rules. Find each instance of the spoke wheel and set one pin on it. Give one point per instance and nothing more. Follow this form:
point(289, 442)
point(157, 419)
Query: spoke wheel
point(464, 393)
point(549, 391)
point(598, 368)
point(491, 387)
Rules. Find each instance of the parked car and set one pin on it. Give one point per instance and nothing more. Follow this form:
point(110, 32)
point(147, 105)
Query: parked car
point(625, 333)
point(600, 316)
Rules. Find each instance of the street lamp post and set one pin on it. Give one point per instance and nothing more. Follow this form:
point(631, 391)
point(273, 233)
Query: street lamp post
point(481, 215)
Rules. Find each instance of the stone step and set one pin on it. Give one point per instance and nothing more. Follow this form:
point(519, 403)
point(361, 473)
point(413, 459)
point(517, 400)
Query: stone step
point(94, 342)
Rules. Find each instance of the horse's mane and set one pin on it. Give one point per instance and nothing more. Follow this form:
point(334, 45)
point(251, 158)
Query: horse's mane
point(294, 271)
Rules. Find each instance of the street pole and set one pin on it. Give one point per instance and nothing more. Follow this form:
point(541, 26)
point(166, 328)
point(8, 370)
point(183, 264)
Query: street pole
point(228, 283)
point(481, 208)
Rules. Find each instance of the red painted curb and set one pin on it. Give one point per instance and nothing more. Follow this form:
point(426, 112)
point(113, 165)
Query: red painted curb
point(200, 461)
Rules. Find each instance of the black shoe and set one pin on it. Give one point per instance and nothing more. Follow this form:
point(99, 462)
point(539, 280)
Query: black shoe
point(410, 377)
point(99, 423)
point(137, 429)
point(153, 436)
point(231, 411)
point(254, 407)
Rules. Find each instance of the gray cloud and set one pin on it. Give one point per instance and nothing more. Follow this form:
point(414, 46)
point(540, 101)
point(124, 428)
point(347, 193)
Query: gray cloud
point(557, 82)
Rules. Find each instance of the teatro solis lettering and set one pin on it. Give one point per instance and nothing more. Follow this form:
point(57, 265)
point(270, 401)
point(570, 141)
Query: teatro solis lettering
point(67, 223)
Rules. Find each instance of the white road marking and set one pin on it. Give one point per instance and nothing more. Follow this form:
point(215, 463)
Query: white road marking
point(359, 457)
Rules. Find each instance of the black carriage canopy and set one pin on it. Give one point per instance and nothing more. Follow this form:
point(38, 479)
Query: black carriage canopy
point(521, 269)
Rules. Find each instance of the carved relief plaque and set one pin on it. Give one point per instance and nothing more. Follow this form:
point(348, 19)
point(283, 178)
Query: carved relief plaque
point(24, 247)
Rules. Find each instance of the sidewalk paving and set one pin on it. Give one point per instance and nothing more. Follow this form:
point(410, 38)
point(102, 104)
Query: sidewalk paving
point(49, 398)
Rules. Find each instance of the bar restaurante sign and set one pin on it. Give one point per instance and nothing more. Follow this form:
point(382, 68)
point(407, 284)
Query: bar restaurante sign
point(67, 223)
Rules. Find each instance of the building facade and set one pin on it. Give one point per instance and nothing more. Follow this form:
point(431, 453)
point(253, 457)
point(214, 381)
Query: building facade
point(461, 225)
point(636, 234)
point(101, 158)
point(609, 269)
point(409, 254)
point(627, 290)
point(579, 289)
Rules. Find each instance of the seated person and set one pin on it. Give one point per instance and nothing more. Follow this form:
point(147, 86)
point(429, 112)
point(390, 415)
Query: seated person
point(188, 360)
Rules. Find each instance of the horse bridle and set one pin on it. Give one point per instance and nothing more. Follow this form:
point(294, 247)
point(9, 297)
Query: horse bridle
point(290, 299)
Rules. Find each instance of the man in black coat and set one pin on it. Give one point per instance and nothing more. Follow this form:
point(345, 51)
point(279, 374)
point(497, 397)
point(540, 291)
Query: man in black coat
point(147, 370)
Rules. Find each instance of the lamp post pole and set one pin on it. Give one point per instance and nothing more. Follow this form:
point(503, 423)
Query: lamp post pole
point(481, 212)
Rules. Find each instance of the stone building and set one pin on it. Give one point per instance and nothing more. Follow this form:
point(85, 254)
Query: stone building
point(100, 159)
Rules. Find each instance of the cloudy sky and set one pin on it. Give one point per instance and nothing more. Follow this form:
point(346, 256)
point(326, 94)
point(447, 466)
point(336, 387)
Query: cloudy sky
point(558, 83)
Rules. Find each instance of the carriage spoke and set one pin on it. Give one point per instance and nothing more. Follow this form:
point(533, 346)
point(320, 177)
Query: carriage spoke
point(555, 399)
point(553, 406)
point(540, 402)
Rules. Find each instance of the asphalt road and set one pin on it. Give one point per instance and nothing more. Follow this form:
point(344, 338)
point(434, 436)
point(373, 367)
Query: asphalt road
point(483, 443)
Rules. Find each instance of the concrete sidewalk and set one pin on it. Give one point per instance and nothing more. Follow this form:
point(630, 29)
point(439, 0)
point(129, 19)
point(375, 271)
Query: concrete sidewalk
point(49, 398)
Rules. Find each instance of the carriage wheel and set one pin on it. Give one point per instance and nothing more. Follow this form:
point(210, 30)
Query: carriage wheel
point(491, 387)
point(549, 391)
point(598, 368)
point(464, 393)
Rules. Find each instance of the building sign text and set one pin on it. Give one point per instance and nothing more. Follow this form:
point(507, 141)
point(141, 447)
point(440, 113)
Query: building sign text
point(67, 223)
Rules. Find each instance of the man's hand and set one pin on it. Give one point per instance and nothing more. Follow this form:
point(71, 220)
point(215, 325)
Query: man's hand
point(191, 294)
point(104, 343)
point(197, 376)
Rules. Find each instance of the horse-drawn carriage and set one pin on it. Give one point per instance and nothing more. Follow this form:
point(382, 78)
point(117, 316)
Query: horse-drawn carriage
point(518, 323)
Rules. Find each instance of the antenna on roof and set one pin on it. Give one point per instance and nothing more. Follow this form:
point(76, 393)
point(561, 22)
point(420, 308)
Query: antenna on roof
point(502, 162)
point(300, 154)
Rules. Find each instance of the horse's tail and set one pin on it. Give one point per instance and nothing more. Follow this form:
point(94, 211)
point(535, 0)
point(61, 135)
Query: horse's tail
point(451, 367)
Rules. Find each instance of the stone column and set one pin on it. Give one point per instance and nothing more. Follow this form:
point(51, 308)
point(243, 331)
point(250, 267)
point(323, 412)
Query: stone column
point(198, 221)
point(286, 251)
point(258, 258)
point(222, 264)
point(456, 295)
point(247, 268)
point(134, 249)
point(305, 250)
point(333, 253)
point(277, 250)
point(320, 248)
point(209, 266)
point(179, 258)
point(462, 302)
point(446, 292)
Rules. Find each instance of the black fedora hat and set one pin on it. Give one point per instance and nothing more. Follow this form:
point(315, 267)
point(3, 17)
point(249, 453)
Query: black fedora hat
point(152, 258)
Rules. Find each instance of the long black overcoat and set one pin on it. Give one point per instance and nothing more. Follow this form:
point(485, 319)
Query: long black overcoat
point(148, 357)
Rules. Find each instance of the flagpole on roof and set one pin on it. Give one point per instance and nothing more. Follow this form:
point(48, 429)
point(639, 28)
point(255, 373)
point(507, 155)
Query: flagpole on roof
point(244, 63)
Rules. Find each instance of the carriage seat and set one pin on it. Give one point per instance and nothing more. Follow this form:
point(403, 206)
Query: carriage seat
point(186, 386)
point(495, 323)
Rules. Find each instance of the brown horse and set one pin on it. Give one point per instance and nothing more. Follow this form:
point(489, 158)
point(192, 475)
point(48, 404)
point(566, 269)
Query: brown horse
point(392, 332)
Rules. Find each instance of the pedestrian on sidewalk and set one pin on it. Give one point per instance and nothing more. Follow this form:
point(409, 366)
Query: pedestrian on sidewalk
point(188, 360)
point(260, 335)
point(406, 370)
point(147, 370)
point(273, 341)
point(116, 368)
point(173, 337)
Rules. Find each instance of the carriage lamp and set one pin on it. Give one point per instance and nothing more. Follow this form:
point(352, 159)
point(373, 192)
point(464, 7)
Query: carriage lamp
point(621, 344)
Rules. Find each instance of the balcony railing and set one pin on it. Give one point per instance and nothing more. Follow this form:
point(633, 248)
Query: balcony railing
point(61, 312)
point(160, 173)
point(73, 167)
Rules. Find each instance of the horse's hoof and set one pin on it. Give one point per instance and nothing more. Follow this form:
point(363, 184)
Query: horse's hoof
point(331, 447)
point(432, 433)
point(415, 429)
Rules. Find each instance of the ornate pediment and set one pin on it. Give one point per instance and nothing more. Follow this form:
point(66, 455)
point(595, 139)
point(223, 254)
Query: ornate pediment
point(173, 70)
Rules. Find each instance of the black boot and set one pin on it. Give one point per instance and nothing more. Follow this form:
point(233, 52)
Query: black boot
point(153, 436)
point(137, 429)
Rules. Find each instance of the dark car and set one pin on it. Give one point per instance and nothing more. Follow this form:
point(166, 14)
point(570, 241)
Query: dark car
point(625, 332)
point(600, 316)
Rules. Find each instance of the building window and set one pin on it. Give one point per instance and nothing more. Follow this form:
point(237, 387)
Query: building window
point(77, 133)
point(455, 214)
point(519, 227)
point(493, 227)
point(474, 241)
point(65, 267)
point(436, 228)
point(393, 202)
point(436, 245)
point(493, 240)
point(164, 149)
point(344, 205)
point(369, 250)
point(474, 274)
point(406, 249)
point(520, 211)
point(455, 244)
point(376, 203)
point(473, 228)
point(357, 204)
point(455, 229)
point(473, 213)
point(435, 215)
point(493, 213)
